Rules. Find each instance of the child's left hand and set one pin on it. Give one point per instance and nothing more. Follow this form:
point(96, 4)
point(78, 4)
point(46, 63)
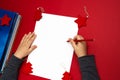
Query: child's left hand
point(25, 47)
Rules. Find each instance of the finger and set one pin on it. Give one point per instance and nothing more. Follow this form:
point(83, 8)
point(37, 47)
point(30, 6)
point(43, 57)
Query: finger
point(69, 39)
point(26, 37)
point(23, 38)
point(32, 48)
point(78, 37)
point(30, 36)
point(32, 40)
point(73, 43)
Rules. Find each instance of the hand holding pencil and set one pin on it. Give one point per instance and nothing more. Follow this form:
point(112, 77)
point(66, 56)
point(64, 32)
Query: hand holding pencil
point(79, 45)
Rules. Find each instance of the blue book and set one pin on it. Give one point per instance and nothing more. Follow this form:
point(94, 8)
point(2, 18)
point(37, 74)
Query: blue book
point(9, 22)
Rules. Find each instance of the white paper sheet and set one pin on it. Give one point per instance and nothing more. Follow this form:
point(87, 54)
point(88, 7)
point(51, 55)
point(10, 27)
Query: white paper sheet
point(53, 55)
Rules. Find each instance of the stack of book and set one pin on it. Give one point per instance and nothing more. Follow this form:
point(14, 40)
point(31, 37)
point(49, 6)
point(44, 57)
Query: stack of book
point(9, 22)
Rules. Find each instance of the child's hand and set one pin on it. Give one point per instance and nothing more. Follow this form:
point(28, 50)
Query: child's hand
point(80, 47)
point(25, 47)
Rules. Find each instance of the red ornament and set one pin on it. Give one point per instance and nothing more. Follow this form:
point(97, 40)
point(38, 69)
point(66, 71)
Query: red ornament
point(26, 68)
point(81, 21)
point(5, 20)
point(38, 14)
point(66, 76)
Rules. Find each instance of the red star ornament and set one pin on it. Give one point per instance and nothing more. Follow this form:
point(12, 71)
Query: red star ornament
point(5, 20)
point(66, 76)
point(81, 21)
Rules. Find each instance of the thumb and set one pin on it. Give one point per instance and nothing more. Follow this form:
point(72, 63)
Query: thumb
point(73, 43)
point(32, 48)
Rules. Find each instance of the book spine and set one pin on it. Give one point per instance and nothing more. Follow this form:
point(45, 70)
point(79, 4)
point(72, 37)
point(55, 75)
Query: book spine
point(13, 34)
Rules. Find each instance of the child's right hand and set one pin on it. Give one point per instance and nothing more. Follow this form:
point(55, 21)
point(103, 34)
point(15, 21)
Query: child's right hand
point(80, 48)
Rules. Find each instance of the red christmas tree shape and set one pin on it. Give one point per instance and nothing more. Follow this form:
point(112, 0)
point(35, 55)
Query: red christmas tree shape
point(81, 21)
point(66, 76)
point(38, 13)
point(27, 68)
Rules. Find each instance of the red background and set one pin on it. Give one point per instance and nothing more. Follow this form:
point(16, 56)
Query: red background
point(103, 25)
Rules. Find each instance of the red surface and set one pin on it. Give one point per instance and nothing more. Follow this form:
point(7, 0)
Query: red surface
point(103, 25)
